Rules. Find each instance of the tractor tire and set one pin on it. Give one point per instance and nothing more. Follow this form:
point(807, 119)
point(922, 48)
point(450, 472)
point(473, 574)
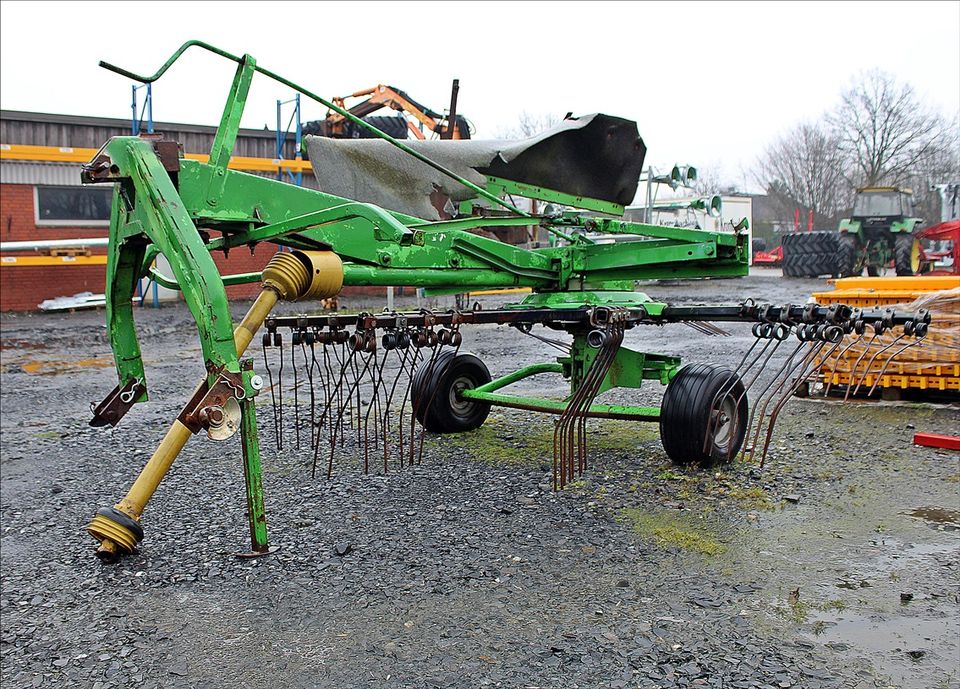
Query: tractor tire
point(789, 267)
point(821, 242)
point(814, 265)
point(393, 126)
point(809, 254)
point(848, 255)
point(690, 411)
point(906, 253)
point(434, 393)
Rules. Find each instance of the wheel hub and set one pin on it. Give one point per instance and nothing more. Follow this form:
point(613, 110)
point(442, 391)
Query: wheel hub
point(459, 404)
point(723, 426)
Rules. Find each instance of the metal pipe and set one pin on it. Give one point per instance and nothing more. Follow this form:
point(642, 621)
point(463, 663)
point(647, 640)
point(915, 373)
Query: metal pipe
point(39, 244)
point(346, 114)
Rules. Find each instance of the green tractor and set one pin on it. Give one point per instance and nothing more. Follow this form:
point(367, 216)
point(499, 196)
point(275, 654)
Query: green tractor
point(879, 230)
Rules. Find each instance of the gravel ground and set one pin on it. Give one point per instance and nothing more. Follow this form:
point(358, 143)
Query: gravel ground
point(835, 565)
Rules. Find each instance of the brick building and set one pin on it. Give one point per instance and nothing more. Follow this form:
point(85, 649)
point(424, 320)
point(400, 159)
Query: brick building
point(41, 198)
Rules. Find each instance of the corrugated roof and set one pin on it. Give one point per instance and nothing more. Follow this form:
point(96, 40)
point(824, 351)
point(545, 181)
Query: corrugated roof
point(124, 124)
point(31, 172)
point(45, 129)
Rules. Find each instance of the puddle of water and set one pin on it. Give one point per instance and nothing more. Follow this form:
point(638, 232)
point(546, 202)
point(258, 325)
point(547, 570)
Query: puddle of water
point(905, 648)
point(896, 555)
point(55, 367)
point(939, 518)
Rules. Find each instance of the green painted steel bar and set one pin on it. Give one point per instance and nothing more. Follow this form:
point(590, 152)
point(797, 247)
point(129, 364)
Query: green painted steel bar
point(685, 234)
point(462, 279)
point(487, 393)
point(123, 263)
point(252, 476)
point(387, 227)
point(612, 411)
point(498, 185)
point(162, 217)
point(228, 280)
point(480, 191)
point(518, 375)
point(226, 136)
point(470, 223)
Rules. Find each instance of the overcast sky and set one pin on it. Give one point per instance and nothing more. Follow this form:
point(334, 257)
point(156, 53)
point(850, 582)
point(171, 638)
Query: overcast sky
point(710, 84)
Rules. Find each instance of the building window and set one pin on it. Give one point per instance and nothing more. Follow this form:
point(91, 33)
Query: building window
point(80, 206)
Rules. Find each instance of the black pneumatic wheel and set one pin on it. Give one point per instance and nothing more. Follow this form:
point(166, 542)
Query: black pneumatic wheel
point(435, 393)
point(691, 408)
point(848, 250)
point(906, 254)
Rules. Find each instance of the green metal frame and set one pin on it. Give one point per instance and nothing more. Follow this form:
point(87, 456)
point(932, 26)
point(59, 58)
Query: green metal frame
point(157, 210)
point(628, 370)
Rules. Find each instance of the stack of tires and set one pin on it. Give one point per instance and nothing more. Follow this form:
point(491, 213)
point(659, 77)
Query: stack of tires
point(809, 254)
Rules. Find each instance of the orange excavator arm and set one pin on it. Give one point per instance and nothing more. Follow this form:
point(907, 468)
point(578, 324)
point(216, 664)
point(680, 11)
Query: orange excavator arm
point(384, 96)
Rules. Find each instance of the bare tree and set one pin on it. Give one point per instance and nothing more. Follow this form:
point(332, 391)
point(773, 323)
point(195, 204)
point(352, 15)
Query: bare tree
point(528, 124)
point(885, 132)
point(804, 169)
point(711, 180)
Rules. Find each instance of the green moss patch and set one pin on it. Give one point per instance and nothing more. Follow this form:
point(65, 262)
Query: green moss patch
point(669, 529)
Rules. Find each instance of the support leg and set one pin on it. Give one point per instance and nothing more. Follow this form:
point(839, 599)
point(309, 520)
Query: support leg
point(252, 477)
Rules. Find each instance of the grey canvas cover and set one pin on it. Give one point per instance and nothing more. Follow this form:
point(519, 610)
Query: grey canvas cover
point(597, 156)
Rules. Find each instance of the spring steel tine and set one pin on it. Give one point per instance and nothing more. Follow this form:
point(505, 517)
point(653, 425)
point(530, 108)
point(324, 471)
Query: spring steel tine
point(561, 430)
point(881, 350)
point(331, 391)
point(764, 397)
point(337, 419)
point(802, 373)
point(326, 376)
point(853, 369)
point(833, 372)
point(613, 346)
point(798, 381)
point(402, 374)
point(725, 390)
point(775, 335)
point(748, 385)
point(376, 375)
point(384, 412)
point(616, 335)
point(727, 387)
point(321, 377)
point(273, 395)
point(569, 446)
point(916, 342)
point(716, 329)
point(279, 345)
point(417, 359)
point(695, 325)
point(423, 433)
point(791, 372)
point(308, 366)
point(355, 390)
point(564, 447)
point(296, 391)
point(414, 408)
point(774, 387)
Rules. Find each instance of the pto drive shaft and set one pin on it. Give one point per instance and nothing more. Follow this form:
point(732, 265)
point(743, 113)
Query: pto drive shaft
point(290, 276)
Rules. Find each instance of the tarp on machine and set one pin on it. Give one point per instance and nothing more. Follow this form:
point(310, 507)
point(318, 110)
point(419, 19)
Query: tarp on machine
point(597, 156)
